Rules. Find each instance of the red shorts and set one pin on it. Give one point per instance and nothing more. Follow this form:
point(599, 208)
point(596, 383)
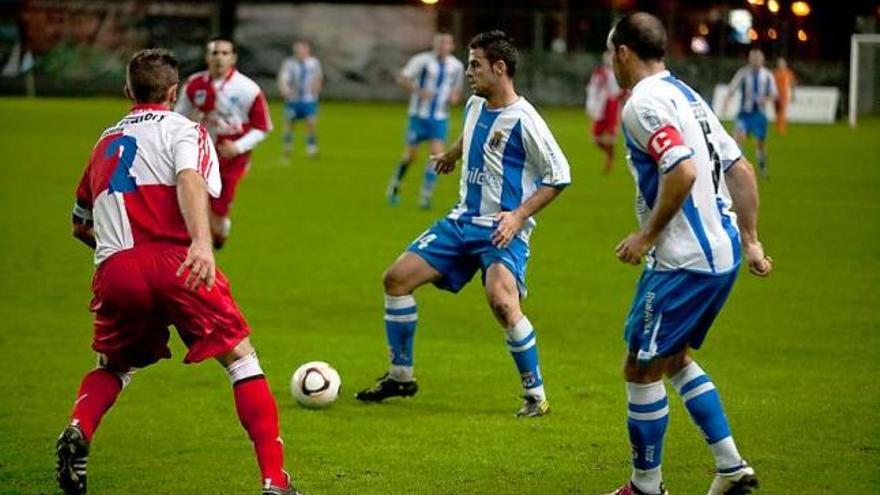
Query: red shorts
point(232, 170)
point(608, 123)
point(137, 294)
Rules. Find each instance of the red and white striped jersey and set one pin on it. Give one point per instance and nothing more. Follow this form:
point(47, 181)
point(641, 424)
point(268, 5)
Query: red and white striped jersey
point(129, 187)
point(601, 89)
point(229, 106)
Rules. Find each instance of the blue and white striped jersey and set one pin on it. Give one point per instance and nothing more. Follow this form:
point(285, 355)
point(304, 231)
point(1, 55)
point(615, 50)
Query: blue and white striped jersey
point(666, 122)
point(754, 85)
point(507, 154)
point(440, 78)
point(299, 77)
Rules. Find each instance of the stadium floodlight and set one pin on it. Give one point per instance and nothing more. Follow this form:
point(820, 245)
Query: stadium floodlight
point(800, 9)
point(773, 6)
point(864, 62)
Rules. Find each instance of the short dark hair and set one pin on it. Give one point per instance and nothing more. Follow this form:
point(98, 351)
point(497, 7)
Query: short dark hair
point(497, 45)
point(227, 39)
point(642, 33)
point(150, 74)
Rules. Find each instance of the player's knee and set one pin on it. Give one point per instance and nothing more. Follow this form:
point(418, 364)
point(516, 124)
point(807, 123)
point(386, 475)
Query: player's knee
point(122, 371)
point(394, 282)
point(640, 372)
point(241, 350)
point(505, 310)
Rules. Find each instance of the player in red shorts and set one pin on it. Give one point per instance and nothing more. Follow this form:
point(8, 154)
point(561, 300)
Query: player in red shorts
point(234, 110)
point(603, 106)
point(142, 204)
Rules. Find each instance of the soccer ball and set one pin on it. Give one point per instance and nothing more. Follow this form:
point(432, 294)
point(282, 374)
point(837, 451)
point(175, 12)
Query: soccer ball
point(315, 384)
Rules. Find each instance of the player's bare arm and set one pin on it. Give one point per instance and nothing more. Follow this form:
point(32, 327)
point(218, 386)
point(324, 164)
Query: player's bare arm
point(283, 83)
point(192, 196)
point(743, 187)
point(406, 83)
point(511, 222)
point(228, 149)
point(675, 185)
point(317, 84)
point(84, 232)
point(444, 163)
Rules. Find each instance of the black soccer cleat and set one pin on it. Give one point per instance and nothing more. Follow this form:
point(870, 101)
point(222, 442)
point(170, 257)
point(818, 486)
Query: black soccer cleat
point(386, 387)
point(72, 449)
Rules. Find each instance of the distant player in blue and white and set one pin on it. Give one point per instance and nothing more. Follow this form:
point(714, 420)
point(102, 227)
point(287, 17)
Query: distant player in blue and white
point(689, 175)
point(757, 89)
point(512, 169)
point(299, 81)
point(434, 80)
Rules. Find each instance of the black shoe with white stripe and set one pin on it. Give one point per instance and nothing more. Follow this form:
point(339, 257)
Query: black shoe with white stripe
point(73, 454)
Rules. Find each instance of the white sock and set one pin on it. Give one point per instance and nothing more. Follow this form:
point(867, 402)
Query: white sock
point(401, 373)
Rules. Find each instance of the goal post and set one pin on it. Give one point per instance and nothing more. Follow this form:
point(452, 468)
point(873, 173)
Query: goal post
point(863, 66)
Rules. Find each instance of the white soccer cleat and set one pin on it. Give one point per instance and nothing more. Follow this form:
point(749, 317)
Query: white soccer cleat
point(740, 482)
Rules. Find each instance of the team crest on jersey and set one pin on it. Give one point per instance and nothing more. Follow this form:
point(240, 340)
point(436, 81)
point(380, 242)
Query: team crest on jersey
point(200, 97)
point(652, 120)
point(496, 139)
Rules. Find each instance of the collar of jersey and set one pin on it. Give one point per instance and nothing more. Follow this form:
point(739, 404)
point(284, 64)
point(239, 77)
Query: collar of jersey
point(659, 75)
point(142, 107)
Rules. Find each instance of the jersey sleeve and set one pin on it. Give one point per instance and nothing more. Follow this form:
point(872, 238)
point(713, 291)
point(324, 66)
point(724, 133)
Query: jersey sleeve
point(259, 114)
point(543, 151)
point(194, 150)
point(284, 74)
point(184, 106)
point(82, 207)
point(412, 68)
point(650, 121)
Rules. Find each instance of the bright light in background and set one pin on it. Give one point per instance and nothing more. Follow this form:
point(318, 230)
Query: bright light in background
point(802, 35)
point(756, 2)
point(771, 33)
point(741, 21)
point(773, 6)
point(699, 45)
point(753, 35)
point(430, 2)
point(704, 29)
point(800, 9)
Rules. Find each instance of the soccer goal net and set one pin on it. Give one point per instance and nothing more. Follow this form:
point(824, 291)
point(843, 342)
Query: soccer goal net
point(864, 85)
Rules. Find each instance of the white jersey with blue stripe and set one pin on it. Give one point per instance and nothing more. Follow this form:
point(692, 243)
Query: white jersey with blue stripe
point(299, 76)
point(754, 85)
point(666, 122)
point(439, 78)
point(508, 153)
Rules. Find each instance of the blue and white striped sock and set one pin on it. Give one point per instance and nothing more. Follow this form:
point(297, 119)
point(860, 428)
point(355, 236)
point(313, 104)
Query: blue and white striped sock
point(312, 139)
point(647, 418)
point(400, 328)
point(704, 405)
point(524, 348)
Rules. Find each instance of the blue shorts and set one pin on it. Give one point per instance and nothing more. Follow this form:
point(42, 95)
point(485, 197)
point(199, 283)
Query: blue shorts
point(295, 110)
point(674, 309)
point(458, 249)
point(419, 129)
point(752, 124)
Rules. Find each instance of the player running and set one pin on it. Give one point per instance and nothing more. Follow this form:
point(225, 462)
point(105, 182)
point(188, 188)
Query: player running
point(142, 204)
point(603, 107)
point(757, 88)
point(512, 169)
point(299, 82)
point(234, 110)
point(689, 174)
point(434, 81)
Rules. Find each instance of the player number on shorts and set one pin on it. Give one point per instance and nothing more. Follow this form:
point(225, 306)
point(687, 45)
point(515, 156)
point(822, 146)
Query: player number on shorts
point(425, 239)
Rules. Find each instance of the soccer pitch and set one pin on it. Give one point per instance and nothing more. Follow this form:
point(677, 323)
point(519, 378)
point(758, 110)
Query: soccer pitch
point(795, 356)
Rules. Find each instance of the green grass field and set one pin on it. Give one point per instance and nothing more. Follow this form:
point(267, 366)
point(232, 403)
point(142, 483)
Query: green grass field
point(795, 356)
